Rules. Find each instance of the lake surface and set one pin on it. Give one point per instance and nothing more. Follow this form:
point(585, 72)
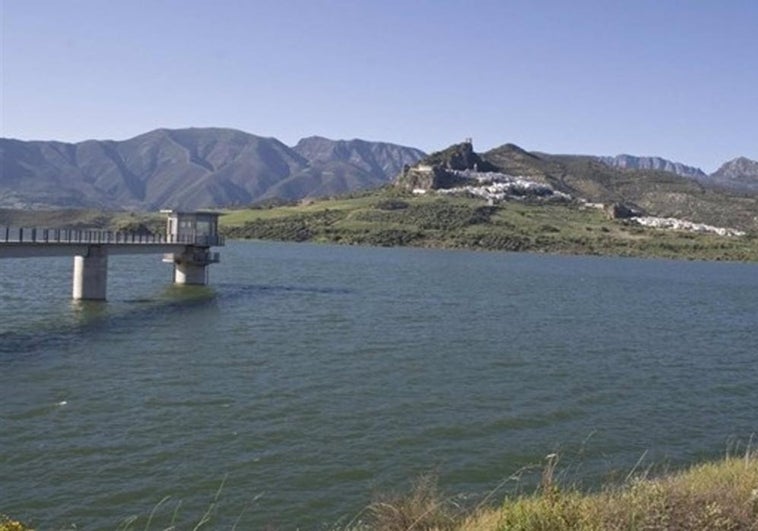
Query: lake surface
point(309, 378)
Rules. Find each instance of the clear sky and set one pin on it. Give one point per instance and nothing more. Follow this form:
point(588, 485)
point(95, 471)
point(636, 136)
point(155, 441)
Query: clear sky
point(674, 78)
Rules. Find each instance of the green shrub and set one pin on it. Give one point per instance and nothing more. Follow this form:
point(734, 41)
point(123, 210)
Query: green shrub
point(392, 204)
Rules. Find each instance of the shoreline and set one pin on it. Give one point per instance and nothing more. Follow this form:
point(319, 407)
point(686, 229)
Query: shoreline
point(546, 252)
point(471, 224)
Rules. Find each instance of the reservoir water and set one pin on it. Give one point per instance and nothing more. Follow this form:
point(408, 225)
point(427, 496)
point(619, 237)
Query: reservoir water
point(306, 379)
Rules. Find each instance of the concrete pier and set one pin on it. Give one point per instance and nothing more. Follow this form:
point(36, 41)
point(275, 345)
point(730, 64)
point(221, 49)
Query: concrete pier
point(186, 244)
point(191, 266)
point(91, 274)
point(191, 275)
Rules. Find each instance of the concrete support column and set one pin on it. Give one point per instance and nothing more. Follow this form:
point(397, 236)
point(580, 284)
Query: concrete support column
point(191, 267)
point(186, 273)
point(91, 274)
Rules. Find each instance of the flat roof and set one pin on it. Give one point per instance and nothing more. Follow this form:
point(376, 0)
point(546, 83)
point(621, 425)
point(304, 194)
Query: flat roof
point(192, 212)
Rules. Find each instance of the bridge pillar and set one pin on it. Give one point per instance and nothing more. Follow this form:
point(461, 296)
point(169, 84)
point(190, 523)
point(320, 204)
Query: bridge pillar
point(191, 267)
point(191, 274)
point(91, 274)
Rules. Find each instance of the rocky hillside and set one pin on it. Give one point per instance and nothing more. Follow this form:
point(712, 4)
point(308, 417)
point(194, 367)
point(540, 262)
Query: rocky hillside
point(586, 178)
point(189, 168)
point(738, 174)
point(439, 170)
point(659, 193)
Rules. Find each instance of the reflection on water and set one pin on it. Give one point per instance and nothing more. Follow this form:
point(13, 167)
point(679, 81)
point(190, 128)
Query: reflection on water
point(87, 311)
point(179, 294)
point(86, 318)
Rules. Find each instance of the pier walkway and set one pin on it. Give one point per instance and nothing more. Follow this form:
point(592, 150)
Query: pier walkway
point(16, 242)
point(186, 244)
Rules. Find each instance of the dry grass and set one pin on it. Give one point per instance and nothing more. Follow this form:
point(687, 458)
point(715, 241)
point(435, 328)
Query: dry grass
point(8, 524)
point(425, 508)
point(720, 496)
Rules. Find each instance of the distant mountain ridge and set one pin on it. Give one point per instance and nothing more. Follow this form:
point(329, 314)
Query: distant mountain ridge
point(739, 174)
point(189, 169)
point(652, 163)
point(340, 166)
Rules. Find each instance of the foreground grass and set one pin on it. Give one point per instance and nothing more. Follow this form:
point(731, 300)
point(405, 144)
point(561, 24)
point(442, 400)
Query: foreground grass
point(716, 496)
point(389, 218)
point(8, 524)
point(719, 496)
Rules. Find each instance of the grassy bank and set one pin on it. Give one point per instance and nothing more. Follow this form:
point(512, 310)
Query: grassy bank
point(388, 218)
point(714, 496)
point(718, 496)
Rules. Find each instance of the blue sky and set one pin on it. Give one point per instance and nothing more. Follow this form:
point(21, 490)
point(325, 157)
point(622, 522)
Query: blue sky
point(673, 78)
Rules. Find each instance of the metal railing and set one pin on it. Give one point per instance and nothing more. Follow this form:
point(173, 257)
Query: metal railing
point(92, 237)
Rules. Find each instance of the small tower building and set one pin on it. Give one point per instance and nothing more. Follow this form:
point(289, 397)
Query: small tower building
point(199, 231)
point(195, 228)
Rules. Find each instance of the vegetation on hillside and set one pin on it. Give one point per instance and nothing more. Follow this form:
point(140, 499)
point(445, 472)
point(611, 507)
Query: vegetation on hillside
point(394, 218)
point(659, 193)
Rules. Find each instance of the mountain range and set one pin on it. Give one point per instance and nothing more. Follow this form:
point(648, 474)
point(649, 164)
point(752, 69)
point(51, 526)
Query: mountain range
point(740, 174)
point(190, 169)
point(212, 167)
point(652, 163)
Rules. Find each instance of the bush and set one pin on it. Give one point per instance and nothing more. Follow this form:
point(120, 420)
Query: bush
point(297, 228)
point(503, 242)
point(553, 229)
point(392, 204)
point(382, 237)
point(444, 216)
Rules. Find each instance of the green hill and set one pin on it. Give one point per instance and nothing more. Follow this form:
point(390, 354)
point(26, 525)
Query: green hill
point(392, 217)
